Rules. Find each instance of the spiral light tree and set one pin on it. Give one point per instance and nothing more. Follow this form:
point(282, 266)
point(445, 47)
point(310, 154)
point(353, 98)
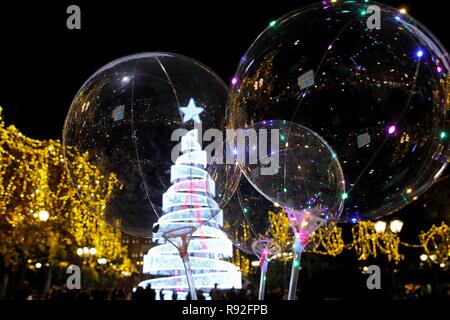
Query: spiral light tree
point(191, 222)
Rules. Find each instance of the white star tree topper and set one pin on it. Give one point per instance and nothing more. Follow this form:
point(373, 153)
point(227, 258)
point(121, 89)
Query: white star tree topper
point(191, 112)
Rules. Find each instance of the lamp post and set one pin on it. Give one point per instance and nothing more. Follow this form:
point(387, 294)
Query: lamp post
point(395, 227)
point(85, 253)
point(43, 216)
point(380, 226)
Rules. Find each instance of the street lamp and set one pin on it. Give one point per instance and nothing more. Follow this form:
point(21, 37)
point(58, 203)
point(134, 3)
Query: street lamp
point(380, 226)
point(396, 226)
point(43, 215)
point(85, 251)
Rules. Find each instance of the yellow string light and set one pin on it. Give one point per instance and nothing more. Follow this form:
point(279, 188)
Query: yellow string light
point(33, 178)
point(366, 242)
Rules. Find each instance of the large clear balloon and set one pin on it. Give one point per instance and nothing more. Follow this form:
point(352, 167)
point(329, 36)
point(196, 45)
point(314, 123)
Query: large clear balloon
point(374, 86)
point(250, 217)
point(130, 119)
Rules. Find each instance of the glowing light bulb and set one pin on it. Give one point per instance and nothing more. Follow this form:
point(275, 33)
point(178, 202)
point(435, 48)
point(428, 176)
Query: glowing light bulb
point(402, 11)
point(43, 215)
point(380, 226)
point(396, 226)
point(392, 129)
point(272, 23)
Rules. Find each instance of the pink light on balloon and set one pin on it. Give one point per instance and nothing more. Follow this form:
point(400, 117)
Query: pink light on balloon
point(392, 129)
point(234, 81)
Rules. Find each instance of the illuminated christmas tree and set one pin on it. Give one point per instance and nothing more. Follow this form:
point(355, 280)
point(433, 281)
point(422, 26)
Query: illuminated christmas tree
point(189, 206)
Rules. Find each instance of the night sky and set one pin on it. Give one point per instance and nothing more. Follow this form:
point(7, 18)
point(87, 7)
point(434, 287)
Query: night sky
point(44, 64)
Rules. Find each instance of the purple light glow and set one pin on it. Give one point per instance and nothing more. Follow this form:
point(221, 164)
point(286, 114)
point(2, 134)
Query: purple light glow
point(439, 69)
point(392, 129)
point(234, 81)
point(330, 46)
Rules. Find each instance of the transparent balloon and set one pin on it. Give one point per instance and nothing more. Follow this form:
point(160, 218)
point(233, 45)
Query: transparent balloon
point(263, 229)
point(247, 217)
point(141, 119)
point(378, 96)
point(293, 167)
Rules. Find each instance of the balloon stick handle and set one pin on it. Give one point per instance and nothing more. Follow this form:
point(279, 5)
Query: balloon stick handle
point(295, 269)
point(262, 280)
point(189, 278)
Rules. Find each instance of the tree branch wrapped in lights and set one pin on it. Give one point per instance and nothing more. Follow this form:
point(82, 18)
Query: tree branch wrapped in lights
point(34, 181)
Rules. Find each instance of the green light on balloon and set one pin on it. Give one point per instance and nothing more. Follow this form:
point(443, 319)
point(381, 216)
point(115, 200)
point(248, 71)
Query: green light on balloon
point(344, 196)
point(443, 135)
point(282, 137)
point(363, 12)
point(284, 190)
point(272, 23)
point(297, 263)
point(245, 210)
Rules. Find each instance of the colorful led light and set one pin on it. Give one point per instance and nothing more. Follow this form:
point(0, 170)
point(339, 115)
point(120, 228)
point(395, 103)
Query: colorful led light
point(392, 129)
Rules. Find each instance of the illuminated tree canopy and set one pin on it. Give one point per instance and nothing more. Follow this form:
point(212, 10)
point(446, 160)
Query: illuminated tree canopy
point(33, 179)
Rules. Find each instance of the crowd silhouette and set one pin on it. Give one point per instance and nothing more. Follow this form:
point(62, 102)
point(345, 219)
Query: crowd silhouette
point(140, 294)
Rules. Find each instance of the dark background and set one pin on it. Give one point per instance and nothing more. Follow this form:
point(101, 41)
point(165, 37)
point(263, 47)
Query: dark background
point(43, 64)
